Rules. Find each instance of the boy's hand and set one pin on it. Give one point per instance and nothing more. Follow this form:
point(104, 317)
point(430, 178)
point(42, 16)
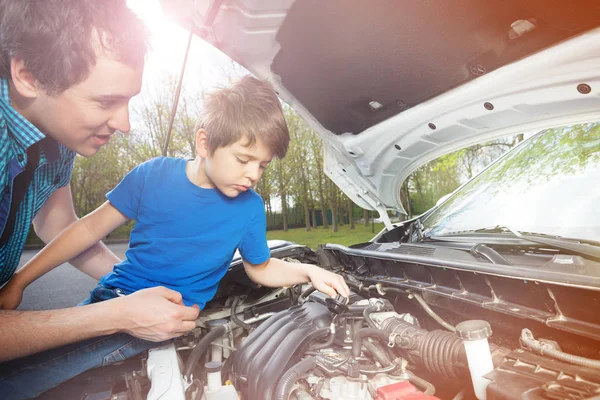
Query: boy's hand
point(328, 282)
point(11, 295)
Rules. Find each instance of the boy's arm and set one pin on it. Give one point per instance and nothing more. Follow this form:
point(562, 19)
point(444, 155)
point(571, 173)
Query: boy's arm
point(276, 273)
point(154, 314)
point(56, 215)
point(75, 239)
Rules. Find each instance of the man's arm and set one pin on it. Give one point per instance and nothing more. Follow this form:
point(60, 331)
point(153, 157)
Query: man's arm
point(58, 213)
point(277, 273)
point(154, 314)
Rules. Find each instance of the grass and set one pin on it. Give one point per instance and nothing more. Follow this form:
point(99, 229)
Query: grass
point(344, 236)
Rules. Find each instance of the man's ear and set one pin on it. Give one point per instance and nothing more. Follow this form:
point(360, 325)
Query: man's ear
point(23, 80)
point(202, 143)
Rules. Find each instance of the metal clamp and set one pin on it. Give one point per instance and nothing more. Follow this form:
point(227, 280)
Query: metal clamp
point(392, 339)
point(380, 290)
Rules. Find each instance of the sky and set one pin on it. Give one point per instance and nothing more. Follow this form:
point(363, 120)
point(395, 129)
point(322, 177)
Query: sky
point(167, 51)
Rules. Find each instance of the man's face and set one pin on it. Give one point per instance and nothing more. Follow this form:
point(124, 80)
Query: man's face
point(238, 167)
point(85, 116)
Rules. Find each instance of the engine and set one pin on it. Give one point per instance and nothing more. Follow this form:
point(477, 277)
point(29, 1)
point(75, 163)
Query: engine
point(383, 343)
point(324, 349)
point(363, 349)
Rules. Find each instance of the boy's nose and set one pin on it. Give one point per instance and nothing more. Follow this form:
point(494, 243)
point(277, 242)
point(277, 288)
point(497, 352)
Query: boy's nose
point(253, 174)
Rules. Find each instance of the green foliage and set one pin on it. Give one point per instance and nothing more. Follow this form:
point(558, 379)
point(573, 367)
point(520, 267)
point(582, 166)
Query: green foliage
point(445, 174)
point(344, 236)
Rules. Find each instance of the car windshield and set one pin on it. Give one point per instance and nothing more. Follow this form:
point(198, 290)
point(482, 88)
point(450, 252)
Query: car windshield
point(548, 185)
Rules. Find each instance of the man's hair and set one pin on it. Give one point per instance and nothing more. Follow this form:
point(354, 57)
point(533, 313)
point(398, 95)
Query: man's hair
point(58, 39)
point(247, 109)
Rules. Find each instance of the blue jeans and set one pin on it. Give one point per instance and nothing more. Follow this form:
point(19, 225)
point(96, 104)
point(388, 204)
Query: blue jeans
point(30, 376)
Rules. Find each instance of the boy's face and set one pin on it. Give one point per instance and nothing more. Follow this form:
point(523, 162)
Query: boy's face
point(236, 168)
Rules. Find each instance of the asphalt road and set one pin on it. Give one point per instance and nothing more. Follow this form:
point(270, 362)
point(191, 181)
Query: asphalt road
point(62, 287)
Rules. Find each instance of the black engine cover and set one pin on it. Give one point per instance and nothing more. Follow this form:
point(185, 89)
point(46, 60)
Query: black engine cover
point(276, 345)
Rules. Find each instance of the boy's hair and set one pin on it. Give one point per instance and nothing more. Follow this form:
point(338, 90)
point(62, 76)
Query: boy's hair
point(249, 109)
point(58, 39)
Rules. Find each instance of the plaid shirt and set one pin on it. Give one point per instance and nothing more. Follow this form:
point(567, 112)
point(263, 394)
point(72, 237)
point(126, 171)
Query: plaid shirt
point(54, 171)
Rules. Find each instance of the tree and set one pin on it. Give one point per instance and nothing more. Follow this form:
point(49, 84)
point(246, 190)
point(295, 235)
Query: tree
point(350, 212)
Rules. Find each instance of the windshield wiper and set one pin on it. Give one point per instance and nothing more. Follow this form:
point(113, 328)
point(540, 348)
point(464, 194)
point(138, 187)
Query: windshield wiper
point(587, 249)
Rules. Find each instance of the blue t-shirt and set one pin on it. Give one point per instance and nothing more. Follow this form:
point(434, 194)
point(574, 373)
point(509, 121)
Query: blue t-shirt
point(184, 236)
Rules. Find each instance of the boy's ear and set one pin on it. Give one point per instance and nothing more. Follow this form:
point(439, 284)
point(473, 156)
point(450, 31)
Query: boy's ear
point(202, 143)
point(22, 78)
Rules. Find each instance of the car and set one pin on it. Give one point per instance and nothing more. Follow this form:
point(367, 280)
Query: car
point(491, 294)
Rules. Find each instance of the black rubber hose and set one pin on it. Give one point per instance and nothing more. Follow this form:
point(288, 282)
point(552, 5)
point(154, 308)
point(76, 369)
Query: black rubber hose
point(226, 368)
point(324, 345)
point(544, 349)
point(367, 332)
point(284, 387)
point(367, 316)
point(353, 285)
point(234, 316)
point(377, 352)
point(421, 383)
point(305, 294)
point(197, 384)
point(201, 348)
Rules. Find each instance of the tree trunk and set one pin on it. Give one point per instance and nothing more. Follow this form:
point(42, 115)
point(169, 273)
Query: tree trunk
point(350, 216)
point(405, 198)
point(306, 215)
point(334, 225)
point(284, 213)
point(419, 188)
point(314, 218)
point(366, 216)
point(324, 213)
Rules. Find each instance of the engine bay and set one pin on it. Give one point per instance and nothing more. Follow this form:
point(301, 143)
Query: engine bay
point(394, 338)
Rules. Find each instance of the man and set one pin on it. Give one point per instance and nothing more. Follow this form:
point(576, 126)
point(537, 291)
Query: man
point(69, 69)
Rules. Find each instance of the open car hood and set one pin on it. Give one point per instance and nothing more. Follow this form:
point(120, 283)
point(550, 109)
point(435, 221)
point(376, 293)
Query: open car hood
point(391, 85)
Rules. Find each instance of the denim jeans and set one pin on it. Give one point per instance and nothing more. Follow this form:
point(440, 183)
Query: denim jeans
point(30, 376)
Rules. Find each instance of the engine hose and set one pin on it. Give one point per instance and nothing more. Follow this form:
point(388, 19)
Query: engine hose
point(421, 383)
point(284, 387)
point(329, 372)
point(367, 316)
point(305, 294)
point(330, 337)
point(441, 352)
point(383, 370)
point(377, 352)
point(353, 285)
point(197, 384)
point(432, 313)
point(226, 368)
point(234, 316)
point(545, 349)
point(201, 348)
point(366, 332)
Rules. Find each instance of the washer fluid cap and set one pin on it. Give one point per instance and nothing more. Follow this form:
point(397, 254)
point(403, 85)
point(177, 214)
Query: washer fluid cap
point(474, 330)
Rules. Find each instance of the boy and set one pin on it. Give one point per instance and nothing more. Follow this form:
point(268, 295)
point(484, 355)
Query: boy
point(191, 215)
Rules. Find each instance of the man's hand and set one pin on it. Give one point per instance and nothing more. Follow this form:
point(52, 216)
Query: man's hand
point(11, 295)
point(328, 282)
point(154, 314)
